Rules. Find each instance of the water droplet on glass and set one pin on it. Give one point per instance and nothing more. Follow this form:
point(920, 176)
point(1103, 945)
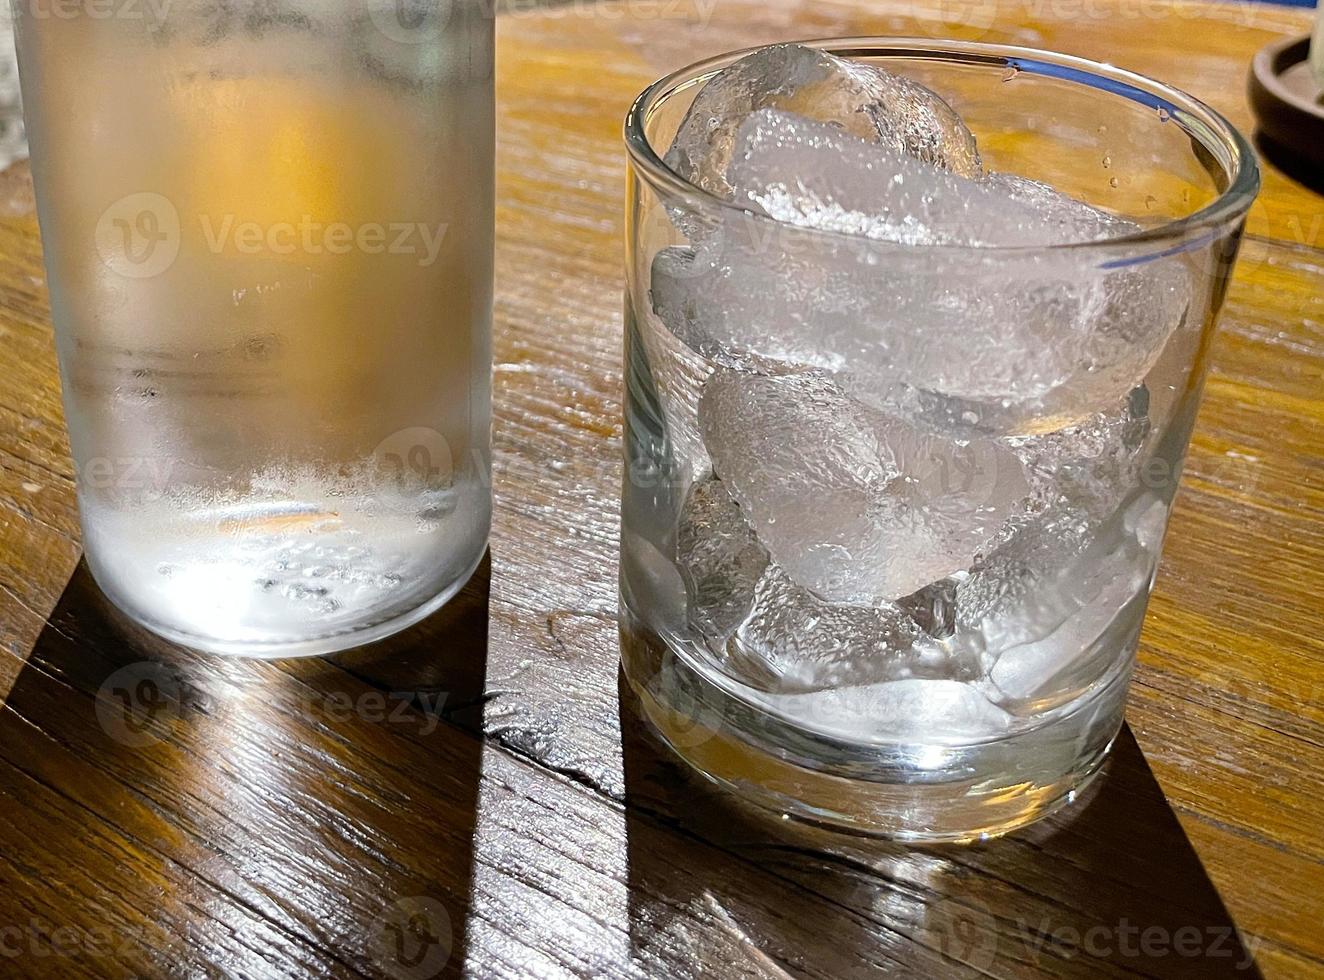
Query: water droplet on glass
point(1107, 161)
point(1163, 114)
point(1113, 181)
point(1011, 72)
point(1150, 200)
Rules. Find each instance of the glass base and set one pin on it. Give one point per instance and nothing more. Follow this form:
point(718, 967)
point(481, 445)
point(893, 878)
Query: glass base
point(313, 646)
point(920, 793)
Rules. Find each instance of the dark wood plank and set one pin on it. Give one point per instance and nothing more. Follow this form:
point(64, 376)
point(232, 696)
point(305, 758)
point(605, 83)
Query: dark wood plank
point(248, 818)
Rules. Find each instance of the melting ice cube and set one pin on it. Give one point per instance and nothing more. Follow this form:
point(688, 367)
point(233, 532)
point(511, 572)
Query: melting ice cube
point(1006, 339)
point(860, 99)
point(855, 506)
point(927, 710)
point(720, 559)
point(814, 175)
point(807, 644)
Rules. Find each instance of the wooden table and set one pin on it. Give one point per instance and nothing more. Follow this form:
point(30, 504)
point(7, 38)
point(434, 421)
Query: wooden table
point(164, 813)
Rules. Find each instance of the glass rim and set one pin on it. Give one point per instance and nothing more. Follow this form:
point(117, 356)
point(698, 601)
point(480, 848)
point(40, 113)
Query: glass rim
point(1213, 131)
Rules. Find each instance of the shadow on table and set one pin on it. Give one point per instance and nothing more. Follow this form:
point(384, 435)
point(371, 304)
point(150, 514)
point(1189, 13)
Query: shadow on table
point(1292, 162)
point(326, 802)
point(1111, 886)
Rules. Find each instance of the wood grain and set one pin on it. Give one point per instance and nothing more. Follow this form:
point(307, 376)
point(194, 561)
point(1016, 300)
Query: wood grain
point(246, 819)
point(38, 516)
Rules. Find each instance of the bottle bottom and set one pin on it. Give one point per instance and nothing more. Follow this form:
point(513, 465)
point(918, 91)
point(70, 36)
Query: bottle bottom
point(283, 578)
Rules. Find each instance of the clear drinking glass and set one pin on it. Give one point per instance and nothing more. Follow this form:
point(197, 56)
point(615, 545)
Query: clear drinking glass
point(981, 683)
point(268, 236)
